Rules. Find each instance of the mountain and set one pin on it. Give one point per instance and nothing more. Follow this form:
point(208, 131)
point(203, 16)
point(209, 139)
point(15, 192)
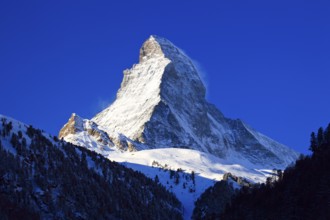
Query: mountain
point(161, 103)
point(44, 178)
point(161, 123)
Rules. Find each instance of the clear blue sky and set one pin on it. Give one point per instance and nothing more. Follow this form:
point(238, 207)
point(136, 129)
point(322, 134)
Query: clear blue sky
point(266, 62)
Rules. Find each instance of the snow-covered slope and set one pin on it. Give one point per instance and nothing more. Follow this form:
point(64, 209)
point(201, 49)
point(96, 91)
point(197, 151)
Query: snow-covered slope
point(206, 169)
point(158, 162)
point(53, 179)
point(185, 172)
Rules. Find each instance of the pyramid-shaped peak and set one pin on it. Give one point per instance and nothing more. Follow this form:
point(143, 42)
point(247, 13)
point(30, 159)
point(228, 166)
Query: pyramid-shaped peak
point(160, 40)
point(156, 46)
point(161, 104)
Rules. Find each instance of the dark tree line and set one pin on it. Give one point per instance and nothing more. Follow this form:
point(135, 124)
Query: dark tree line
point(43, 178)
point(302, 191)
point(320, 140)
point(214, 200)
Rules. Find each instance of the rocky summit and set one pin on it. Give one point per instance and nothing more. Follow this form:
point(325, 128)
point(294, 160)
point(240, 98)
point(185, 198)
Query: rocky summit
point(161, 104)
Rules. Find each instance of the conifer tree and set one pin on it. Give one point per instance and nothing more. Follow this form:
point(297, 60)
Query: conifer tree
point(193, 176)
point(313, 143)
point(14, 140)
point(320, 136)
point(156, 179)
point(327, 134)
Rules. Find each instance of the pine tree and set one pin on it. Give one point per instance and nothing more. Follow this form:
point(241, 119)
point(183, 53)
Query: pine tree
point(193, 176)
point(156, 179)
point(30, 131)
point(8, 127)
point(327, 134)
point(14, 140)
point(20, 134)
point(171, 174)
point(320, 136)
point(279, 175)
point(313, 141)
point(177, 178)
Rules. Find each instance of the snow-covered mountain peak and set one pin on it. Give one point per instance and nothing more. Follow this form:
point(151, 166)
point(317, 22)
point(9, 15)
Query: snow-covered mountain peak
point(179, 67)
point(164, 76)
point(155, 47)
point(161, 104)
point(161, 116)
point(150, 48)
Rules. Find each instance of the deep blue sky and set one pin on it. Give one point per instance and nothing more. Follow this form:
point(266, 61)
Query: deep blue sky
point(266, 62)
